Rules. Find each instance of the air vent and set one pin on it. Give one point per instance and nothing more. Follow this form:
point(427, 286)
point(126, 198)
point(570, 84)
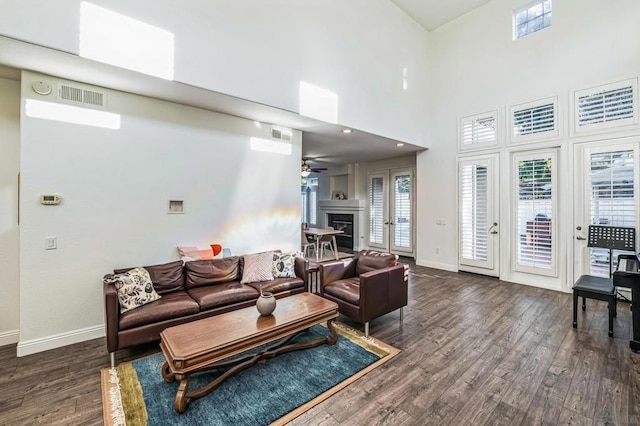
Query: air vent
point(281, 133)
point(84, 96)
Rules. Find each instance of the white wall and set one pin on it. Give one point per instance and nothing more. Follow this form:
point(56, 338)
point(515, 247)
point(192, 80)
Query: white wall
point(115, 185)
point(261, 51)
point(476, 67)
point(9, 233)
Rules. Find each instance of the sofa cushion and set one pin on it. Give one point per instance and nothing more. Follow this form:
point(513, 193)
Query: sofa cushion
point(165, 277)
point(134, 288)
point(370, 260)
point(172, 305)
point(347, 289)
point(216, 271)
point(278, 285)
point(257, 267)
point(213, 296)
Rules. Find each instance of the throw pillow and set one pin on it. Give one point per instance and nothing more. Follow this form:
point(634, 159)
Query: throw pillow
point(257, 267)
point(189, 253)
point(134, 288)
point(284, 265)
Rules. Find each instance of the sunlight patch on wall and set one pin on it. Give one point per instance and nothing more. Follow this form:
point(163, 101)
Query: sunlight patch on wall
point(266, 145)
point(269, 231)
point(316, 102)
point(71, 114)
point(119, 40)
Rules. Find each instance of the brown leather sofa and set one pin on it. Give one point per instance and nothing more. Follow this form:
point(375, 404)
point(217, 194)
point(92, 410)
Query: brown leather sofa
point(192, 291)
point(366, 287)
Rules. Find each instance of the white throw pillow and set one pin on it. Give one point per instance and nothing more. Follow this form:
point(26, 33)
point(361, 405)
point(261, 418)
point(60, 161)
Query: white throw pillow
point(257, 267)
point(134, 288)
point(284, 265)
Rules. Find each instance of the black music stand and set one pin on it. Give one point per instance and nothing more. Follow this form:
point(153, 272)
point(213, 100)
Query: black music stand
point(612, 238)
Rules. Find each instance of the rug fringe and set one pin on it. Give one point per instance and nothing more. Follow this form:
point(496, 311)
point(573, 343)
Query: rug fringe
point(115, 400)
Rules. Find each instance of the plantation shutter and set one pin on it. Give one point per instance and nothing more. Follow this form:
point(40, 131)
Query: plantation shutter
point(534, 120)
point(474, 203)
point(305, 216)
point(606, 106)
point(534, 213)
point(402, 211)
point(612, 199)
point(478, 130)
point(376, 210)
point(313, 206)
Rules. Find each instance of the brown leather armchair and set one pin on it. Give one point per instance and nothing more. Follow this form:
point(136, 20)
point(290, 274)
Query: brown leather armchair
point(366, 287)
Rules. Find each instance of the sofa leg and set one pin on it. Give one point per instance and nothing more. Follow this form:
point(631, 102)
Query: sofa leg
point(401, 313)
point(366, 329)
point(112, 359)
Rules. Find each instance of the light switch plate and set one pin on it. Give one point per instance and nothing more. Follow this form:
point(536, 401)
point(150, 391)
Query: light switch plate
point(51, 243)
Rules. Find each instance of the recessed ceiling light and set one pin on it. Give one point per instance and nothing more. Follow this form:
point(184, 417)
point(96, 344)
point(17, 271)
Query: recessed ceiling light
point(346, 131)
point(399, 144)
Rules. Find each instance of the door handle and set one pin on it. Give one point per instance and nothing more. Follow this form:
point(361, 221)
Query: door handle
point(580, 238)
point(491, 230)
point(386, 222)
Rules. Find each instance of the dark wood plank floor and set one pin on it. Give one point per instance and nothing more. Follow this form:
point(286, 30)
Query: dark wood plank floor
point(475, 351)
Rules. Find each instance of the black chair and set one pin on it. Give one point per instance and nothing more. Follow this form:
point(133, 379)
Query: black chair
point(599, 288)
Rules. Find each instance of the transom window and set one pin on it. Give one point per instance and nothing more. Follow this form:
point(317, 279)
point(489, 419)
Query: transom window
point(531, 18)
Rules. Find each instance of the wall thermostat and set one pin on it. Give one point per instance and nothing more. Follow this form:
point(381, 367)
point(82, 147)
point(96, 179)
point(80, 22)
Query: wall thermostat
point(49, 200)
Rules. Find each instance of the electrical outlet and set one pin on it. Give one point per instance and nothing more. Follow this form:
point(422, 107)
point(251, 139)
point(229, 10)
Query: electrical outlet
point(51, 243)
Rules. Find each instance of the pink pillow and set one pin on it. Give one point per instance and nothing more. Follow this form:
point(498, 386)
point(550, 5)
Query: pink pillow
point(194, 253)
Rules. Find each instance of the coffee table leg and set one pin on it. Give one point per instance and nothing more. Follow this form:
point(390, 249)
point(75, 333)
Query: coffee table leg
point(182, 400)
point(331, 340)
point(167, 375)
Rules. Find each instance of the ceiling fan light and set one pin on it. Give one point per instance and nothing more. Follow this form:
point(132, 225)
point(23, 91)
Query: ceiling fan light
point(305, 173)
point(305, 170)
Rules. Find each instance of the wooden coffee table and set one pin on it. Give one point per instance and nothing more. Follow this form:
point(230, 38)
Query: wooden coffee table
point(205, 344)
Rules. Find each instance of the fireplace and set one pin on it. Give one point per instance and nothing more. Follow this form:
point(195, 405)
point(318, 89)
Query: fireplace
point(342, 222)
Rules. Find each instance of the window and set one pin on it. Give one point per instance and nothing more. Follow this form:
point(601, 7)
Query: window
point(309, 200)
point(473, 203)
point(612, 199)
point(478, 131)
point(376, 210)
point(606, 107)
point(535, 213)
point(534, 120)
point(531, 18)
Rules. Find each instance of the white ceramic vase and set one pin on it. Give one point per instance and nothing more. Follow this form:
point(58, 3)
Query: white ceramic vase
point(266, 304)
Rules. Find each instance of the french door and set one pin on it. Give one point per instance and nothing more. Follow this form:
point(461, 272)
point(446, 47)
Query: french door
point(607, 194)
point(391, 207)
point(479, 246)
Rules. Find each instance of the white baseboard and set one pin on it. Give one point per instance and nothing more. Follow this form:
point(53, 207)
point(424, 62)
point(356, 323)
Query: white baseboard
point(9, 337)
point(437, 265)
point(42, 344)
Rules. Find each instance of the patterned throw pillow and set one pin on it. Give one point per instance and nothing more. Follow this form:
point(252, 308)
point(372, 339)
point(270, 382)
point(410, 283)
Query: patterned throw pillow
point(257, 267)
point(134, 288)
point(284, 265)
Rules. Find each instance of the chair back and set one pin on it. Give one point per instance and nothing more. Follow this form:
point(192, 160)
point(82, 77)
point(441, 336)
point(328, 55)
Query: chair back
point(370, 260)
point(326, 238)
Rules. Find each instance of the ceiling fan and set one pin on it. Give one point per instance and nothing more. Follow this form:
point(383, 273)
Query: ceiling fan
point(307, 169)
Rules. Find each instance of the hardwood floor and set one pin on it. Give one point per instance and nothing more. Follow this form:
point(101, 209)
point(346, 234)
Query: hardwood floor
point(475, 350)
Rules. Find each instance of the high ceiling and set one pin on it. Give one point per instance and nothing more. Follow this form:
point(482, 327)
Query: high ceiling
point(323, 143)
point(432, 14)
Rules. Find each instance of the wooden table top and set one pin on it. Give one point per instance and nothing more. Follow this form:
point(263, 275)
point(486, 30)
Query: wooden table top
point(322, 231)
point(189, 346)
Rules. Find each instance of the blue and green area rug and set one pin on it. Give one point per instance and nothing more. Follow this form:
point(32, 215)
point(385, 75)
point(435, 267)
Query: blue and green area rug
point(275, 392)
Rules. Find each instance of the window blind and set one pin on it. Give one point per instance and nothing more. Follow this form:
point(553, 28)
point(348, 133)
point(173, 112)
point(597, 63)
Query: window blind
point(402, 210)
point(478, 130)
point(313, 206)
point(534, 212)
point(376, 212)
point(303, 199)
point(474, 203)
point(533, 120)
point(605, 106)
point(612, 199)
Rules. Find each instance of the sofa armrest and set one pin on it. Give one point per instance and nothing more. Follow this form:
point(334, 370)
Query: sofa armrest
point(382, 291)
point(112, 316)
point(301, 267)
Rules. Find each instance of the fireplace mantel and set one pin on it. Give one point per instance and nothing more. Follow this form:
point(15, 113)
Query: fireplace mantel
point(344, 205)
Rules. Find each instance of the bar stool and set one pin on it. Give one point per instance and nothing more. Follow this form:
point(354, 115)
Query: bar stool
point(589, 286)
